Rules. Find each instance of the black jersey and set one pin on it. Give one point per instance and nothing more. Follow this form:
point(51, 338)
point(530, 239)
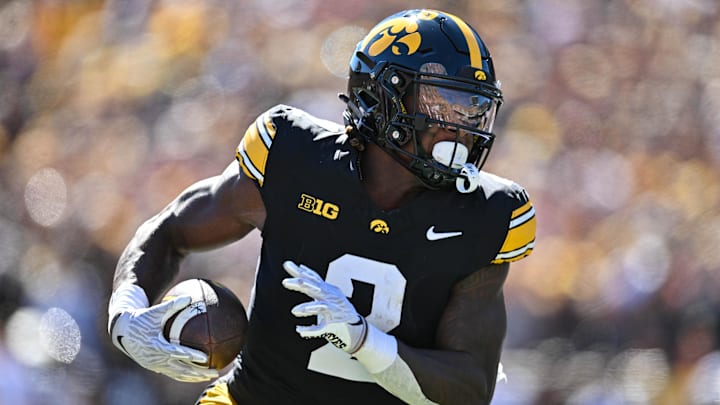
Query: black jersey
point(397, 267)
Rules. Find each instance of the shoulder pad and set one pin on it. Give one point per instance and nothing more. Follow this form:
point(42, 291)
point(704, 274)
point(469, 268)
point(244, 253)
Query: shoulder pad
point(286, 123)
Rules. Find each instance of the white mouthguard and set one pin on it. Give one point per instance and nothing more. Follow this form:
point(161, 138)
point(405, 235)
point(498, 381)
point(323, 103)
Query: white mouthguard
point(443, 151)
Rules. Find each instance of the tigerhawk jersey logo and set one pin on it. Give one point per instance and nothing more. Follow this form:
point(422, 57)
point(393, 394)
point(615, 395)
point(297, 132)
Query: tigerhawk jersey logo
point(379, 226)
point(397, 31)
point(319, 207)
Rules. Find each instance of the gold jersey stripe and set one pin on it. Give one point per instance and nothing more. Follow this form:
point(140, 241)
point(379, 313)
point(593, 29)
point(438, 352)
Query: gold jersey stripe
point(517, 213)
point(520, 239)
point(472, 42)
point(520, 235)
point(255, 147)
point(247, 166)
point(266, 128)
point(514, 255)
point(254, 153)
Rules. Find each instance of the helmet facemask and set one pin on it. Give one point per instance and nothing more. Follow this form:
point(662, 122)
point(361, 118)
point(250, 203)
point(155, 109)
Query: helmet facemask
point(405, 105)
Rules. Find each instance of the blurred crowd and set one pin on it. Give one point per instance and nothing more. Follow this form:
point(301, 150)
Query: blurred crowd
point(611, 121)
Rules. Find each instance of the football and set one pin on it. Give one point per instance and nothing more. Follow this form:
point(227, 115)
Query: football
point(214, 323)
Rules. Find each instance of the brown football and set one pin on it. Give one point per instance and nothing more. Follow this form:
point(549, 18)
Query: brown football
point(215, 322)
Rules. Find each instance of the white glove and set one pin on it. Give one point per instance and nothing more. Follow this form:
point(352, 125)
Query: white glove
point(337, 320)
point(137, 332)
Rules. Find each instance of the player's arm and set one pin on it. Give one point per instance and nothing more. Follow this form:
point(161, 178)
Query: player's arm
point(462, 369)
point(212, 212)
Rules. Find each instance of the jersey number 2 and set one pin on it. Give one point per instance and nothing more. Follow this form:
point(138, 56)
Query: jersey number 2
point(389, 290)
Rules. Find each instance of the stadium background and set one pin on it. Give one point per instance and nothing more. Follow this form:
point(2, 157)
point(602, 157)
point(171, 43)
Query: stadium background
point(611, 121)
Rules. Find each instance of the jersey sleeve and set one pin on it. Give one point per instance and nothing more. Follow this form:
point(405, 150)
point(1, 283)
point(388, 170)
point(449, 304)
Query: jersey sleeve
point(520, 239)
point(252, 152)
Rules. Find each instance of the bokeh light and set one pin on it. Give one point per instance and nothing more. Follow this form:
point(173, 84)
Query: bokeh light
point(46, 197)
point(338, 47)
point(15, 19)
point(23, 338)
point(60, 335)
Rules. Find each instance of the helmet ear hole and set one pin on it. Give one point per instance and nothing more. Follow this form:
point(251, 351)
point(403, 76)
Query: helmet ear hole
point(397, 135)
point(397, 81)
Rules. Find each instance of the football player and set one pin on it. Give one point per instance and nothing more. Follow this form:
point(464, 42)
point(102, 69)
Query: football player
point(385, 247)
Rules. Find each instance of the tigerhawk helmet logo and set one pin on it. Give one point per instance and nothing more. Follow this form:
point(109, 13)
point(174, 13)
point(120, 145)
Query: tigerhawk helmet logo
point(396, 32)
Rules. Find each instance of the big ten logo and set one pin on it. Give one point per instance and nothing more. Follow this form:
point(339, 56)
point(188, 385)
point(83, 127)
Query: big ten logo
point(318, 207)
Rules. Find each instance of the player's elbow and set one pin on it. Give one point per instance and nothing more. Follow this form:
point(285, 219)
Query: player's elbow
point(477, 385)
point(478, 390)
point(471, 386)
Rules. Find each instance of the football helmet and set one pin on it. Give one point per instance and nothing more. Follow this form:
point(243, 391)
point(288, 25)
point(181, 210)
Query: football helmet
point(420, 69)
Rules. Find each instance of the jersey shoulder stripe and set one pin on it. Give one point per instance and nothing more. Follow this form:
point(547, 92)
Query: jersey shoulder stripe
point(520, 239)
point(253, 150)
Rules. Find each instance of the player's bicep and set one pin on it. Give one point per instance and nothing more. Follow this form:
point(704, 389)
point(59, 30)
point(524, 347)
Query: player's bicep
point(474, 320)
point(211, 212)
point(215, 211)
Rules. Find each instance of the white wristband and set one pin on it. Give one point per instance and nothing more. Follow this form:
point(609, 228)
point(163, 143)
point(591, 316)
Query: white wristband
point(127, 297)
point(378, 352)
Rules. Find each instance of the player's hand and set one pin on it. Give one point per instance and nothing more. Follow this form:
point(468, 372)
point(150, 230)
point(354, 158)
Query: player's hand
point(138, 333)
point(337, 320)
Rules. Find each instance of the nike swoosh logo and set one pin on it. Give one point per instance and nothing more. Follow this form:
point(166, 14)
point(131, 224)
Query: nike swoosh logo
point(432, 235)
point(122, 346)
